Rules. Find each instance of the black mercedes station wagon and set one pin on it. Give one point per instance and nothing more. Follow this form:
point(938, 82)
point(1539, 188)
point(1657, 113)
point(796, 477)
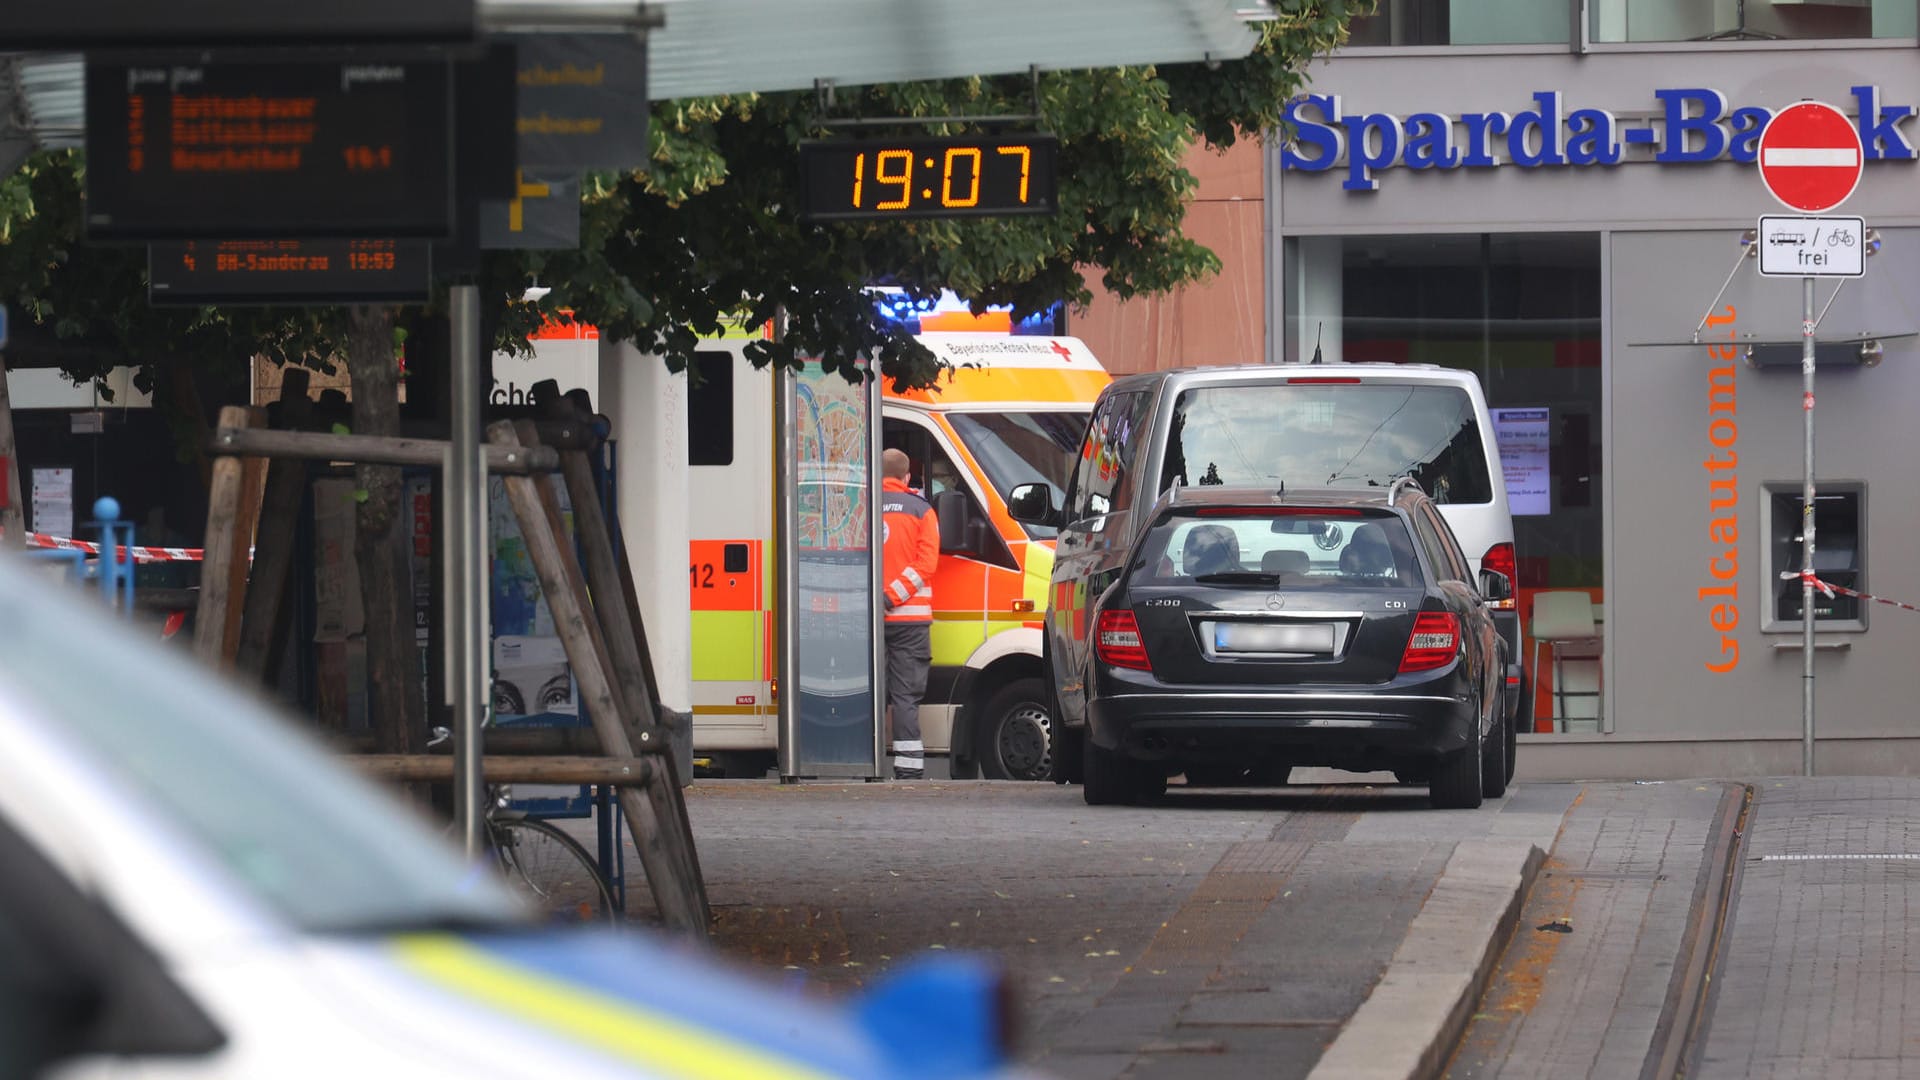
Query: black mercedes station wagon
point(1252, 631)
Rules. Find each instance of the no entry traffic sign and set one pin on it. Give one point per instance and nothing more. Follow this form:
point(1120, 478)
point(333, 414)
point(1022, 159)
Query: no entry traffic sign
point(1810, 156)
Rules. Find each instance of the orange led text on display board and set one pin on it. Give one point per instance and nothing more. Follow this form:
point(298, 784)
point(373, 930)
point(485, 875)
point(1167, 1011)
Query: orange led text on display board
point(957, 176)
point(255, 150)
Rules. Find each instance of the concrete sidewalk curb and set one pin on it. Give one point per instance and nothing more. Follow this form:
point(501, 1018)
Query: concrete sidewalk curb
point(1407, 1027)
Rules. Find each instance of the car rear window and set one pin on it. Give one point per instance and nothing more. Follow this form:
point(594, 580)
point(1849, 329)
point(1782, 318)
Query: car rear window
point(1329, 434)
point(1285, 548)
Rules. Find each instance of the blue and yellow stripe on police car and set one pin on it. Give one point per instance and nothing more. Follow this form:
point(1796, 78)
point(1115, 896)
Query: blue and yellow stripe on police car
point(556, 990)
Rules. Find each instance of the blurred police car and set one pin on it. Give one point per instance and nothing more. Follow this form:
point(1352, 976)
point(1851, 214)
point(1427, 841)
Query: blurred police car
point(190, 888)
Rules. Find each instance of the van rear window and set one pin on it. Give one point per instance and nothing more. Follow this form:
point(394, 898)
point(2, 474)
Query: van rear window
point(1292, 548)
point(1329, 435)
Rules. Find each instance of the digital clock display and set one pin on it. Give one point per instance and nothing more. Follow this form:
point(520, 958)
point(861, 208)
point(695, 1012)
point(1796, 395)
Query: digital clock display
point(248, 149)
point(289, 271)
point(957, 176)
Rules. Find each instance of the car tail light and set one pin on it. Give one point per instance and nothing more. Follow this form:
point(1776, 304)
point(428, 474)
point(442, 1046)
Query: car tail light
point(1322, 380)
point(1500, 557)
point(1119, 642)
point(1435, 640)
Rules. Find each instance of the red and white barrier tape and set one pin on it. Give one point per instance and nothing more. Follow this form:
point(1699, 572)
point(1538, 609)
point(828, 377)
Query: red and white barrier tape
point(140, 554)
point(1830, 588)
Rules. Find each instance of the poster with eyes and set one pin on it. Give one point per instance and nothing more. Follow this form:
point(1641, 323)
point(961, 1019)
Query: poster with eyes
point(531, 678)
point(530, 673)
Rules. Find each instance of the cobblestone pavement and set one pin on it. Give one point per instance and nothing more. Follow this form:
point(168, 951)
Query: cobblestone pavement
point(1219, 934)
point(1825, 941)
point(1586, 1002)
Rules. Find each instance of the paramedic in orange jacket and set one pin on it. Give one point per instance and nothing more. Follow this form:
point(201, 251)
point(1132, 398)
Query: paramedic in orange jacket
point(910, 551)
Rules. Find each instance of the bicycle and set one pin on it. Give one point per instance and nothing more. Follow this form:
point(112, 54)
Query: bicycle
point(549, 869)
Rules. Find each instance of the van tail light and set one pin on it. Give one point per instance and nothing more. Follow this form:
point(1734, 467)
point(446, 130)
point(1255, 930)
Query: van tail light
point(1434, 642)
point(1500, 557)
point(1118, 641)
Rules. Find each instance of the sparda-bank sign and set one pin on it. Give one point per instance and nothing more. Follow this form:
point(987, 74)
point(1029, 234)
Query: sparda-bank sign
point(1693, 124)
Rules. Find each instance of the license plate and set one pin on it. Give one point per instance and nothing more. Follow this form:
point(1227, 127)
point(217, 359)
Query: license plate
point(1272, 637)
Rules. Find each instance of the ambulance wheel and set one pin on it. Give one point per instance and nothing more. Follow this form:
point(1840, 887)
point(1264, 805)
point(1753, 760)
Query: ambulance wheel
point(1015, 737)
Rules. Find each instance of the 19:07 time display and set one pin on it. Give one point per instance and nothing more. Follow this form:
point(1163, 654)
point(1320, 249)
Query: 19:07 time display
point(956, 176)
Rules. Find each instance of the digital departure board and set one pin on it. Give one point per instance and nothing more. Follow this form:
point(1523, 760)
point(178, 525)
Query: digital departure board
point(268, 150)
point(289, 271)
point(957, 176)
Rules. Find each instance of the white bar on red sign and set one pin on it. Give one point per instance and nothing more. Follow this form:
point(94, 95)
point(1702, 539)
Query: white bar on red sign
point(1843, 158)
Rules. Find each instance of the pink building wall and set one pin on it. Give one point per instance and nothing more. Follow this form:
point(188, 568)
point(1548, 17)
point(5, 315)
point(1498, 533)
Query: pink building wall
point(1221, 320)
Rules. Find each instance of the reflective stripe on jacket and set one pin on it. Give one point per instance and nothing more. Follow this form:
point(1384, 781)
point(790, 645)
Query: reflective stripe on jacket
point(909, 553)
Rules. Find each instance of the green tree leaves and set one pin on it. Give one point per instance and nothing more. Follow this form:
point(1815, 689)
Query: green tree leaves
point(709, 234)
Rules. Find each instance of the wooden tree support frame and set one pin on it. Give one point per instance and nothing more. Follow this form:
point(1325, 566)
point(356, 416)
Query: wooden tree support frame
point(503, 769)
point(604, 640)
point(625, 720)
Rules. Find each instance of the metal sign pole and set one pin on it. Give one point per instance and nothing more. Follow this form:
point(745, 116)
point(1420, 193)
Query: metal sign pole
point(1810, 156)
point(786, 565)
point(876, 576)
point(1806, 529)
point(465, 532)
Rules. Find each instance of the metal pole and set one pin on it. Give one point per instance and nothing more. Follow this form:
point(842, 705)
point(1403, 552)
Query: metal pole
point(787, 563)
point(465, 533)
point(1806, 530)
point(876, 576)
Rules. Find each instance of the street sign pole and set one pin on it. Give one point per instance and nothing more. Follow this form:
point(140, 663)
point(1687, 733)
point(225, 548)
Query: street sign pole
point(1810, 157)
point(1806, 529)
point(1810, 248)
point(466, 577)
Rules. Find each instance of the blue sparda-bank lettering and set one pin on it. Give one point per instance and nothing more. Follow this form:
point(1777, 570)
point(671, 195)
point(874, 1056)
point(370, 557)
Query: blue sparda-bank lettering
point(1690, 125)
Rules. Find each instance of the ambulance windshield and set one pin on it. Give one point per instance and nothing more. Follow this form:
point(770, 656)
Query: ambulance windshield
point(1023, 447)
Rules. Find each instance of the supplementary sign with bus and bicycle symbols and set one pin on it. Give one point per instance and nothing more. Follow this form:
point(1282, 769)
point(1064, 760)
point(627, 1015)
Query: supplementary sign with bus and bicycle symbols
point(1812, 246)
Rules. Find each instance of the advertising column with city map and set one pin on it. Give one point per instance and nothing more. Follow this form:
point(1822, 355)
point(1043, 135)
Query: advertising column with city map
point(834, 638)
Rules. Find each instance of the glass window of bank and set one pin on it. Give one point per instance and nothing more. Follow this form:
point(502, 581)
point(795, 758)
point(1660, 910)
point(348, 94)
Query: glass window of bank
point(1551, 22)
point(1521, 311)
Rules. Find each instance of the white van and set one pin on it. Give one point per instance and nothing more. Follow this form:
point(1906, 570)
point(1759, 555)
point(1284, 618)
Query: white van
point(1309, 426)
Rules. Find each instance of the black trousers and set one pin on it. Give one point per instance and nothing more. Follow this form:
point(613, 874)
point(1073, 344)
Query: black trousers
point(909, 655)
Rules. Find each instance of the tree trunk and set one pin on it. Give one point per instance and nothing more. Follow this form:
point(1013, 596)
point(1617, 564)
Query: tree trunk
point(184, 405)
point(380, 542)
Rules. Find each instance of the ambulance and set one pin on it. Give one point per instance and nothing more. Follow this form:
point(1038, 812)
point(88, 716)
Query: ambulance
point(1011, 408)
